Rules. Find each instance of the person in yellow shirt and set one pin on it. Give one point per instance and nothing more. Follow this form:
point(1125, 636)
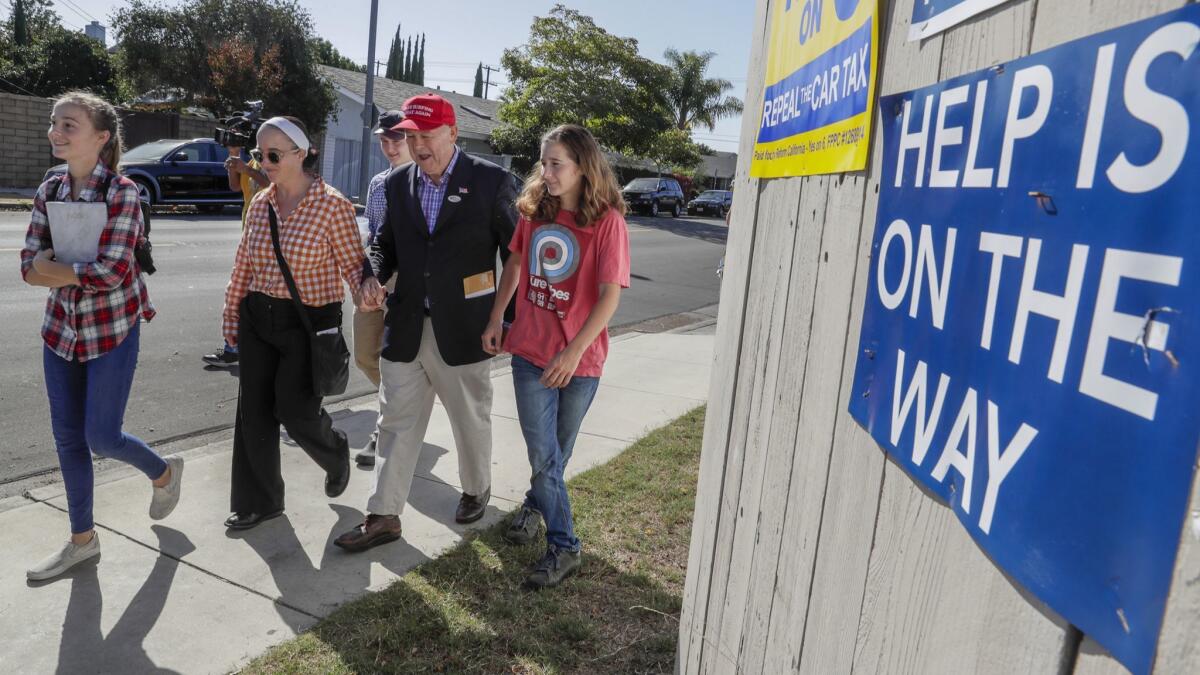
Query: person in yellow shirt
point(247, 178)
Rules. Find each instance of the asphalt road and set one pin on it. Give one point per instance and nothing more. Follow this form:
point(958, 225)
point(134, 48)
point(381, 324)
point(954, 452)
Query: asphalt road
point(673, 266)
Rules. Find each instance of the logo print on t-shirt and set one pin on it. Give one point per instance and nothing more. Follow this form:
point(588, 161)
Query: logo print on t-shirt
point(555, 253)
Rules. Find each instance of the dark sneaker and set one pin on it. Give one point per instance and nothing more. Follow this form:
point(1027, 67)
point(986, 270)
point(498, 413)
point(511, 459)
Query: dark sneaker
point(373, 531)
point(524, 526)
point(367, 456)
point(556, 565)
point(471, 508)
point(221, 359)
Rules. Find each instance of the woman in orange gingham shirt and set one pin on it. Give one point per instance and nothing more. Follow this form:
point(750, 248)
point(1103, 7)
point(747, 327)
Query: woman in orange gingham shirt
point(319, 238)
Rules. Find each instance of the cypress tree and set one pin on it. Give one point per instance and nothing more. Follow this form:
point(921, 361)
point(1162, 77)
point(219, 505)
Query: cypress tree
point(408, 61)
point(20, 23)
point(478, 91)
point(421, 63)
point(393, 56)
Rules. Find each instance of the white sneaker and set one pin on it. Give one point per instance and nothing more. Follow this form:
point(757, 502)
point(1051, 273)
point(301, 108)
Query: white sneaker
point(164, 499)
point(70, 556)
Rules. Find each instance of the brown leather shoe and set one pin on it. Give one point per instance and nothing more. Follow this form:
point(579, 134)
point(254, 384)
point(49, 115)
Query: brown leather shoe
point(375, 530)
point(470, 507)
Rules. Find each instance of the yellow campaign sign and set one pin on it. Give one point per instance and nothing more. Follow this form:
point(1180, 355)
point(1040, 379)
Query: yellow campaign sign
point(820, 88)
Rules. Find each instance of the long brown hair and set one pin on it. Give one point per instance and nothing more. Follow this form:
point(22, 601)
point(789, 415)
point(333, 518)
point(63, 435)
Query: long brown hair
point(600, 189)
point(103, 117)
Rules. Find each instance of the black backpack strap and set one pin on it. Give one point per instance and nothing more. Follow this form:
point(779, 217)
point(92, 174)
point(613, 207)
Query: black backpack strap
point(287, 272)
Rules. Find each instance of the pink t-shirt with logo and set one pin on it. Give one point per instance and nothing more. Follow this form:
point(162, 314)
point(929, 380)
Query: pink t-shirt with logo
point(562, 267)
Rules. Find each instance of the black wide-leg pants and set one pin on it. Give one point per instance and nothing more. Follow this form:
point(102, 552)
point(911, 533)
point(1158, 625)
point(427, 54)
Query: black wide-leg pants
point(275, 387)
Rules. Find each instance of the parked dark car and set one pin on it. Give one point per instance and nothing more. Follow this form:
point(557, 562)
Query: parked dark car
point(177, 171)
point(654, 195)
point(712, 202)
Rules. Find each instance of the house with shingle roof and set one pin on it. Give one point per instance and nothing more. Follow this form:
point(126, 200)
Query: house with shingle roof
point(342, 147)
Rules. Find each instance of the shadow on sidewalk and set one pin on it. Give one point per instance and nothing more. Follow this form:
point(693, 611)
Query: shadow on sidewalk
point(83, 645)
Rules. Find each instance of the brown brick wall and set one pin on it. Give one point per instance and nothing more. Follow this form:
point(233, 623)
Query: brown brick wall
point(25, 153)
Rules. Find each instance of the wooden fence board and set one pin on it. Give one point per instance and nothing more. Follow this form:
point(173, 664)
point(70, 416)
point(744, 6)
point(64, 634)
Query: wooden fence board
point(856, 462)
point(773, 545)
point(739, 244)
point(934, 602)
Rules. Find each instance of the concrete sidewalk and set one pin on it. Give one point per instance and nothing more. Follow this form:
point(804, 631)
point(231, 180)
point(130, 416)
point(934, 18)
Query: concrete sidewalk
point(184, 595)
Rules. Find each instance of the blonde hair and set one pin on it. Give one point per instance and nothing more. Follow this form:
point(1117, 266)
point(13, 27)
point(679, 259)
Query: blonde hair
point(103, 117)
point(600, 191)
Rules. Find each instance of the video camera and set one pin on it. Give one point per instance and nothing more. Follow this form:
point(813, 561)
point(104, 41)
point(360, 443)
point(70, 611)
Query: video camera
point(240, 129)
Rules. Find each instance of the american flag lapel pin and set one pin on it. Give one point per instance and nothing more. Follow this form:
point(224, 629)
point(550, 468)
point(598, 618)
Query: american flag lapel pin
point(463, 191)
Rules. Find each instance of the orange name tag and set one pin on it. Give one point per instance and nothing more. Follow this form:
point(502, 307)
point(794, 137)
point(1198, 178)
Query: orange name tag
point(479, 285)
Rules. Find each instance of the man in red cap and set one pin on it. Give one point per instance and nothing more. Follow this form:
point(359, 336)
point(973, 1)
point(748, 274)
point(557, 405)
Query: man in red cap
point(448, 216)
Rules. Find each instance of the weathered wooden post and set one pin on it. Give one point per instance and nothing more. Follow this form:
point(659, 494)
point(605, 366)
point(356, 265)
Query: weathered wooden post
point(814, 551)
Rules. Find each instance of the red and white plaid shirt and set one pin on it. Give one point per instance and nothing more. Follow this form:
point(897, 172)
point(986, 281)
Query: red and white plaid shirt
point(320, 242)
point(90, 319)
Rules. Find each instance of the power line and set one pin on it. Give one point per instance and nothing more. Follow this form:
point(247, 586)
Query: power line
point(17, 86)
point(79, 10)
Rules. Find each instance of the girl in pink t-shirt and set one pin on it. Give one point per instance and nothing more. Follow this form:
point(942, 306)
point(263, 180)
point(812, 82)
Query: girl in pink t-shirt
point(570, 261)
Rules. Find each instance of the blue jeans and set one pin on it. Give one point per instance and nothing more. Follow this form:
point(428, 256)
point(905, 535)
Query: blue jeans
point(550, 420)
point(87, 407)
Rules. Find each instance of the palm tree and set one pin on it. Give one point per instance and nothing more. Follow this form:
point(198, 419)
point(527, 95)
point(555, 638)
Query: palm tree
point(694, 99)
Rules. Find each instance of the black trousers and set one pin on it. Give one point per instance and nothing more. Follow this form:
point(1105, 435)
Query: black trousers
point(275, 387)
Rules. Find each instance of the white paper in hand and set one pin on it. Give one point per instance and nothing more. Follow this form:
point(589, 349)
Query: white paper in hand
point(75, 228)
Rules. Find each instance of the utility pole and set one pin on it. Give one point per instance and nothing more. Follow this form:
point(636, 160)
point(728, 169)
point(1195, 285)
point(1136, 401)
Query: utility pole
point(368, 113)
point(487, 80)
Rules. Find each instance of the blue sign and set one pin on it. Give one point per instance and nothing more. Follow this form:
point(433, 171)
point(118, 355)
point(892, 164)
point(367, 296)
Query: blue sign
point(934, 16)
point(1030, 347)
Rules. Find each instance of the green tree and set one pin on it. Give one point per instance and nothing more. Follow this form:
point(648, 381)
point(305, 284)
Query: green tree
point(406, 72)
point(571, 70)
point(39, 56)
point(695, 100)
point(390, 70)
point(179, 39)
point(420, 78)
point(326, 54)
point(20, 23)
point(478, 91)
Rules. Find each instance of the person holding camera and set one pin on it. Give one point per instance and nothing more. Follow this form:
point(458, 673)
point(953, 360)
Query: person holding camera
point(247, 178)
point(368, 324)
point(312, 227)
point(93, 318)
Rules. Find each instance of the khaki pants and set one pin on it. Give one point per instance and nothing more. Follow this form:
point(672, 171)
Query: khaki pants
point(368, 342)
point(368, 338)
point(405, 404)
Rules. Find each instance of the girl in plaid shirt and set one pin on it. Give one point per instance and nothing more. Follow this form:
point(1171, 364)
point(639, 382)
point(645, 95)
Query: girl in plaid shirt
point(91, 328)
point(318, 235)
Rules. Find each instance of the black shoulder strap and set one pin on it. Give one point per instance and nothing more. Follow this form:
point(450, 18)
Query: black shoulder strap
point(287, 272)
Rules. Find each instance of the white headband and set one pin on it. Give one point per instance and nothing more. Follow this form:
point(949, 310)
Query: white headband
point(288, 127)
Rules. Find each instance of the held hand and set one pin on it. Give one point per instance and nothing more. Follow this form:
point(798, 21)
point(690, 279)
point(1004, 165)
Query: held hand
point(235, 164)
point(372, 294)
point(560, 369)
point(493, 337)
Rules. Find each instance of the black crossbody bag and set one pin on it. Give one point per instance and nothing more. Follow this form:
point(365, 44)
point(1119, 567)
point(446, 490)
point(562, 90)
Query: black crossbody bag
point(330, 356)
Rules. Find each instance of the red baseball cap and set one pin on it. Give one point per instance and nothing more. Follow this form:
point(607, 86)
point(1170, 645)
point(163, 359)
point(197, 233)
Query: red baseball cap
point(426, 112)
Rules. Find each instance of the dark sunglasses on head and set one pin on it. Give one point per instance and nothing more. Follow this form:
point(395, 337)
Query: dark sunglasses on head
point(272, 156)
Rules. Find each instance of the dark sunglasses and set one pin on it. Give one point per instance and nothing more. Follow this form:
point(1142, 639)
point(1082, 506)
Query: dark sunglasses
point(272, 156)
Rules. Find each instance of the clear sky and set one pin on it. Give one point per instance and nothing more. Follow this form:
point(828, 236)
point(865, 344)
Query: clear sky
point(461, 33)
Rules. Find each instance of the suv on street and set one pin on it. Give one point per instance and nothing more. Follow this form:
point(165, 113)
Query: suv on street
point(653, 195)
point(715, 202)
point(177, 171)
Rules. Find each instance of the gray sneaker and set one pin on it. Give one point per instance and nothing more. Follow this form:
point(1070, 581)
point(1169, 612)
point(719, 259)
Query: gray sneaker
point(164, 499)
point(70, 556)
point(524, 526)
point(556, 565)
